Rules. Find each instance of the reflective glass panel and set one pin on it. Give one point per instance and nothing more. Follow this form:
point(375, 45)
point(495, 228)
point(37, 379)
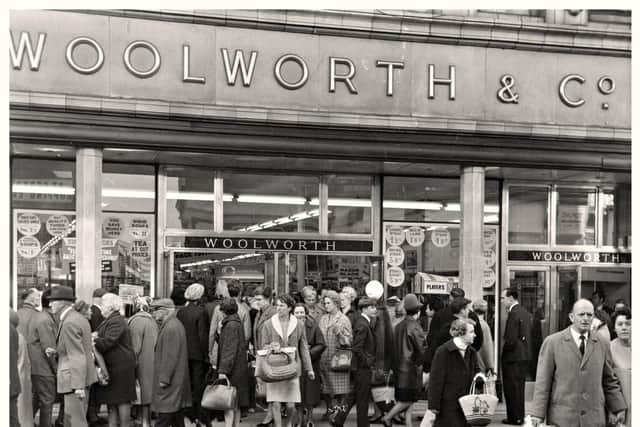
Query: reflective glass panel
point(128, 187)
point(528, 216)
point(349, 204)
point(43, 184)
point(576, 217)
point(616, 221)
point(190, 198)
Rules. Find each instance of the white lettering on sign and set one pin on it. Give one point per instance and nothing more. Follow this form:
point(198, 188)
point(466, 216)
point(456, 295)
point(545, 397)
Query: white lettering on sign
point(390, 65)
point(303, 66)
point(144, 45)
point(112, 227)
point(24, 45)
point(395, 255)
point(346, 78)
point(239, 62)
point(394, 235)
point(89, 42)
point(415, 236)
point(140, 249)
point(186, 67)
point(441, 238)
point(433, 81)
point(139, 228)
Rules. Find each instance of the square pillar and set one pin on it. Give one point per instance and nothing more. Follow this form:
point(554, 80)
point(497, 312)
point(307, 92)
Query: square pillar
point(88, 222)
point(472, 231)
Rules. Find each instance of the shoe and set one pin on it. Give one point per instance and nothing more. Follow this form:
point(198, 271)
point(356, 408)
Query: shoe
point(267, 424)
point(512, 423)
point(398, 419)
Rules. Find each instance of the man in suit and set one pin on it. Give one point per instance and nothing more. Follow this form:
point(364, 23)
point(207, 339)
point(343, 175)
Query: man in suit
point(39, 331)
point(76, 369)
point(362, 363)
point(575, 381)
point(516, 353)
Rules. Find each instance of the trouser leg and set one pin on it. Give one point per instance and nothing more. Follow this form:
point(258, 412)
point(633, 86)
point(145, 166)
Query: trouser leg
point(362, 392)
point(44, 390)
point(75, 410)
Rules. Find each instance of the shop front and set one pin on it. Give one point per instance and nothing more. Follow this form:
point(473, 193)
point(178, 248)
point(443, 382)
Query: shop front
point(150, 150)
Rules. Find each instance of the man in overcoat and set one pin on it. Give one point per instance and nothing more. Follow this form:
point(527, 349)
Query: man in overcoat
point(516, 353)
point(76, 368)
point(171, 387)
point(575, 381)
point(39, 331)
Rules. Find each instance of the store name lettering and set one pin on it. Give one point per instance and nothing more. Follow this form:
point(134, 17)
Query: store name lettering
point(271, 244)
point(570, 256)
point(241, 65)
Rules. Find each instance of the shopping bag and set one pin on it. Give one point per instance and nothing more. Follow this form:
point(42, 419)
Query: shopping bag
point(261, 389)
point(529, 423)
point(275, 366)
point(219, 396)
point(490, 384)
point(478, 408)
point(428, 419)
point(385, 392)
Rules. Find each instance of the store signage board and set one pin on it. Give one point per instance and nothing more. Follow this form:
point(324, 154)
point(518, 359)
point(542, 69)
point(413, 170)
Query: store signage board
point(262, 244)
point(571, 257)
point(120, 57)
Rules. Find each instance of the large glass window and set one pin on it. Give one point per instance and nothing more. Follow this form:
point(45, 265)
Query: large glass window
point(616, 221)
point(575, 217)
point(128, 226)
point(433, 200)
point(190, 198)
point(43, 184)
point(528, 215)
point(349, 204)
point(271, 203)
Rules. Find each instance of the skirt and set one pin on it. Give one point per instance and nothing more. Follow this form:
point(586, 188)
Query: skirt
point(284, 391)
point(406, 394)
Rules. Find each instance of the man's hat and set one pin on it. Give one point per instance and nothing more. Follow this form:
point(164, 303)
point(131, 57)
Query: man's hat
point(163, 303)
point(411, 302)
point(61, 293)
point(457, 293)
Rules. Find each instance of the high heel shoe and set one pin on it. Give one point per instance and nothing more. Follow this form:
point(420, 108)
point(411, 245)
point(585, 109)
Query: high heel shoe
point(267, 424)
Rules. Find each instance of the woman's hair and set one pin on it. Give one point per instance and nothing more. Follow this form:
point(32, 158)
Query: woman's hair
point(306, 310)
point(111, 302)
point(141, 304)
point(288, 300)
point(333, 296)
point(81, 307)
point(229, 306)
point(264, 291)
point(621, 312)
point(459, 327)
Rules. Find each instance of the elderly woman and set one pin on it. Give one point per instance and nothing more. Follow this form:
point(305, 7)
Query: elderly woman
point(196, 324)
point(336, 329)
point(310, 389)
point(144, 333)
point(452, 370)
point(409, 349)
point(284, 332)
point(232, 358)
point(621, 354)
point(113, 340)
point(310, 297)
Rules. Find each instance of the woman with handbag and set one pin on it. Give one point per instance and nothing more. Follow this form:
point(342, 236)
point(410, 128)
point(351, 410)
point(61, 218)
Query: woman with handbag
point(232, 359)
point(144, 334)
point(336, 329)
point(113, 341)
point(452, 370)
point(285, 333)
point(310, 389)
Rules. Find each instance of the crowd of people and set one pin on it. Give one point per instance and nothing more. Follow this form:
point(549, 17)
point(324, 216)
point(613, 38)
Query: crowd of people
point(156, 363)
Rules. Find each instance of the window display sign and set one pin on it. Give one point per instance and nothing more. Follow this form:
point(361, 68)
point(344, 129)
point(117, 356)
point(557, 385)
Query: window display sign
point(395, 255)
point(415, 236)
point(394, 235)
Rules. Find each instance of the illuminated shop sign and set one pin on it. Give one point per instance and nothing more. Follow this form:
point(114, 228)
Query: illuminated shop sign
point(269, 244)
point(571, 257)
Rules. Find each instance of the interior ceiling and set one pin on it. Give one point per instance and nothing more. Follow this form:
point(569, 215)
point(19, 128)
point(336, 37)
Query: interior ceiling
point(312, 165)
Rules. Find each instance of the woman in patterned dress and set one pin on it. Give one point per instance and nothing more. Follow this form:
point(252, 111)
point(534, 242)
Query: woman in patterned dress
point(336, 329)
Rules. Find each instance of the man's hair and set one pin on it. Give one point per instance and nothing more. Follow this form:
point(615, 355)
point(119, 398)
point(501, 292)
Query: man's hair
point(229, 306)
point(234, 287)
point(511, 292)
point(458, 304)
point(457, 293)
point(366, 302)
point(27, 293)
point(303, 305)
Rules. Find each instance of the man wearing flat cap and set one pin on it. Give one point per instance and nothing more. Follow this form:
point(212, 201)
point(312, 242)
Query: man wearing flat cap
point(171, 386)
point(76, 369)
point(195, 319)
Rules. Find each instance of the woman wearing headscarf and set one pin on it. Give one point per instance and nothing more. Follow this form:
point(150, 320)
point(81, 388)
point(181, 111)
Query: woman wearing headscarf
point(336, 329)
point(232, 358)
point(284, 332)
point(113, 340)
point(196, 323)
point(452, 370)
point(310, 389)
point(144, 334)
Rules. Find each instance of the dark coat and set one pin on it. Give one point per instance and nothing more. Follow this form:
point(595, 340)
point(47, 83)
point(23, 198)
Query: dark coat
point(96, 317)
point(311, 388)
point(171, 367)
point(14, 377)
point(196, 321)
point(517, 335)
point(114, 342)
point(384, 339)
point(450, 379)
point(232, 356)
point(39, 331)
point(409, 350)
point(364, 344)
point(439, 332)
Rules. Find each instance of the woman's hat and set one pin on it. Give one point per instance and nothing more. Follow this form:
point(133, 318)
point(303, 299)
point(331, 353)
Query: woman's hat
point(194, 292)
point(411, 302)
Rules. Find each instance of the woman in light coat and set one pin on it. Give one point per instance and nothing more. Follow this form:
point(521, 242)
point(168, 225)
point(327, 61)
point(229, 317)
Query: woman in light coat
point(144, 334)
point(337, 332)
point(284, 332)
point(621, 355)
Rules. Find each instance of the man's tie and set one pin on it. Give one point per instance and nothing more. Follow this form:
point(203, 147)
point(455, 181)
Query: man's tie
point(582, 345)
